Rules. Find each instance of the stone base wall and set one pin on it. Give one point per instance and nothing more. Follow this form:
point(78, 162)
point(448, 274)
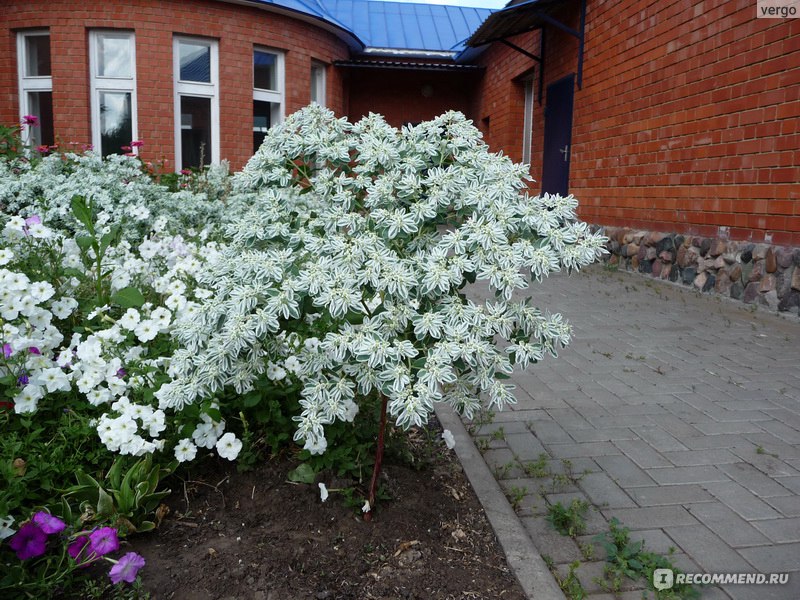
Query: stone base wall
point(752, 273)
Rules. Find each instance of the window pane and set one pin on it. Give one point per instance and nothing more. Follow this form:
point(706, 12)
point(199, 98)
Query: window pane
point(318, 84)
point(195, 131)
point(265, 72)
point(114, 55)
point(37, 56)
point(195, 62)
point(41, 105)
point(116, 124)
point(264, 116)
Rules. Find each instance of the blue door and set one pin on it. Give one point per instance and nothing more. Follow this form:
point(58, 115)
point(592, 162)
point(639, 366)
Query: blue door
point(557, 136)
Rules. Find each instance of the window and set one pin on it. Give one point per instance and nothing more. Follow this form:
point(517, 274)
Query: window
point(112, 56)
point(36, 86)
point(267, 92)
point(318, 83)
point(196, 68)
point(527, 122)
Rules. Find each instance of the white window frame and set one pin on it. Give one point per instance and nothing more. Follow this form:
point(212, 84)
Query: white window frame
point(28, 84)
point(275, 96)
point(322, 88)
point(527, 122)
point(111, 84)
point(199, 90)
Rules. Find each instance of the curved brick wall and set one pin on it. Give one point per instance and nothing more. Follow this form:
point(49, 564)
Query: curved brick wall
point(155, 22)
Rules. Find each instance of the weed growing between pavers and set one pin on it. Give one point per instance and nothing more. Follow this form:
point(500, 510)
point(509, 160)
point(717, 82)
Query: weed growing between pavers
point(568, 520)
point(570, 584)
point(626, 559)
point(516, 495)
point(537, 468)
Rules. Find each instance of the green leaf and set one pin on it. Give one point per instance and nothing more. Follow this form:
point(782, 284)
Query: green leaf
point(105, 504)
point(354, 318)
point(81, 211)
point(72, 272)
point(109, 238)
point(128, 297)
point(252, 399)
point(145, 526)
point(84, 242)
point(214, 413)
point(302, 474)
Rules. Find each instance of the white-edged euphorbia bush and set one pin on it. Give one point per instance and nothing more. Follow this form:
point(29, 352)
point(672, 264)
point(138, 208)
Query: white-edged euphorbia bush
point(379, 230)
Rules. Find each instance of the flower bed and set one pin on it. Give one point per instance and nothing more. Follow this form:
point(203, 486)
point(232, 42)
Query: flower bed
point(311, 297)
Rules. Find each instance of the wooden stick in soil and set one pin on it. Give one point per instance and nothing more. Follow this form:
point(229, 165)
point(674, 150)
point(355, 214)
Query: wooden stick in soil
point(376, 470)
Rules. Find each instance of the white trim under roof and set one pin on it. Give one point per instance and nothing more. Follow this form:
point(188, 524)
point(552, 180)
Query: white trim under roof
point(411, 53)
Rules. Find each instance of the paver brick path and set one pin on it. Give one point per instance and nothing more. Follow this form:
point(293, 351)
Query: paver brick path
point(681, 411)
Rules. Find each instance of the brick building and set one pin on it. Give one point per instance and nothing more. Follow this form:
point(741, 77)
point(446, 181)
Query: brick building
point(671, 115)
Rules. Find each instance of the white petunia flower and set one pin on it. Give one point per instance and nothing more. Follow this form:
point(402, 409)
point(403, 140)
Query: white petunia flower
point(185, 450)
point(228, 446)
point(147, 330)
point(323, 492)
point(448, 438)
point(5, 527)
point(130, 319)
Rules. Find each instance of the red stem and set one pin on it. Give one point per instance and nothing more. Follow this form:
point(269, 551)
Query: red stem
point(376, 470)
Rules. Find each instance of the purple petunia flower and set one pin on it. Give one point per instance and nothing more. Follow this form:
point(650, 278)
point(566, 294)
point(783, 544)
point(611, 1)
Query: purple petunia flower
point(29, 542)
point(34, 220)
point(48, 523)
point(7, 350)
point(121, 373)
point(126, 568)
point(104, 540)
point(79, 550)
point(23, 380)
point(35, 350)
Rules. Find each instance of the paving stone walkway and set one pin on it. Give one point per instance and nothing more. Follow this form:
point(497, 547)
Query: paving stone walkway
point(676, 413)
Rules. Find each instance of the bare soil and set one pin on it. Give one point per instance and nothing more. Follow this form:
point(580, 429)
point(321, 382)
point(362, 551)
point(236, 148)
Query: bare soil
point(232, 535)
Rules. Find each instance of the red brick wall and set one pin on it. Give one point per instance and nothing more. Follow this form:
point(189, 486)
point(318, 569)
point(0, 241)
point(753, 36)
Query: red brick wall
point(155, 21)
point(409, 96)
point(688, 120)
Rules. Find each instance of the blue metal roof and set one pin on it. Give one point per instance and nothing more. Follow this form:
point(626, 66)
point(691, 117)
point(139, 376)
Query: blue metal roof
point(392, 25)
point(407, 25)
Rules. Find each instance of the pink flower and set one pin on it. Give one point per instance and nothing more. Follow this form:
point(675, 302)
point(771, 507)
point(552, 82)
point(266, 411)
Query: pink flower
point(80, 551)
point(185, 172)
point(43, 149)
point(125, 148)
point(29, 542)
point(126, 568)
point(104, 540)
point(31, 120)
point(137, 144)
point(48, 523)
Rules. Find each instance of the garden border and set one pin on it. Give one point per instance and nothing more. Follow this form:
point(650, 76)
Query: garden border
point(523, 558)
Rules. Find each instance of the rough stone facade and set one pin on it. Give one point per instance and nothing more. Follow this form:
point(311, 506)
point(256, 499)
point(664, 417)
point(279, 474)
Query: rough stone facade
point(761, 274)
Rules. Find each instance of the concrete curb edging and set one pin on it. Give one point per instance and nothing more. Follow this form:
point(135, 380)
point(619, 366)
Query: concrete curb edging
point(522, 555)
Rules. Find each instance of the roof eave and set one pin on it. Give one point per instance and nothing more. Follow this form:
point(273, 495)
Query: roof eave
point(353, 42)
